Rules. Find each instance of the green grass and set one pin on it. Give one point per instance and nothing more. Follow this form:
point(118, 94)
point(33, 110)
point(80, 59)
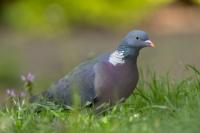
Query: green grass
point(160, 104)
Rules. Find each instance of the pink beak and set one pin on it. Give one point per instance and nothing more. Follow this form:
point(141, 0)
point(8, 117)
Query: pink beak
point(150, 44)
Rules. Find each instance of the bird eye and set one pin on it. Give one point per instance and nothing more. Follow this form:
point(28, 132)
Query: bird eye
point(137, 37)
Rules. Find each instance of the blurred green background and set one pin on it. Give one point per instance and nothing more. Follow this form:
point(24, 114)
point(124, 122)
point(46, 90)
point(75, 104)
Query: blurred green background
point(51, 15)
point(49, 38)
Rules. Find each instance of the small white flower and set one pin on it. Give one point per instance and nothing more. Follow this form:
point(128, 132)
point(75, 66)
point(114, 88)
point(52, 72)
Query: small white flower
point(136, 115)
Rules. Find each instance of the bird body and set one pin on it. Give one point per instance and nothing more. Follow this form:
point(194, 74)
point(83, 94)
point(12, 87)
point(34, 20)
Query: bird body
point(107, 78)
point(113, 82)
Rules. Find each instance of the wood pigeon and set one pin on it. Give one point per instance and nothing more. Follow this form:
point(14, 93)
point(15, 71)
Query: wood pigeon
point(108, 78)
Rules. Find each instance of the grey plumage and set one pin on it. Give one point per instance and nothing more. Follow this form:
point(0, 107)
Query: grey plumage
point(80, 80)
point(107, 78)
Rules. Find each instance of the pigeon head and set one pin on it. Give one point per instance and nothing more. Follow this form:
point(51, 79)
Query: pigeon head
point(133, 42)
point(130, 46)
point(137, 39)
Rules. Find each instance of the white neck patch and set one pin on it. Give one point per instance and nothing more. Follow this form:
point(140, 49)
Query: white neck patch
point(117, 57)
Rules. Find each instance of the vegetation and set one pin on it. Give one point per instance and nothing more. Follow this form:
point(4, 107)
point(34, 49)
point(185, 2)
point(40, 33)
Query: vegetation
point(50, 15)
point(159, 104)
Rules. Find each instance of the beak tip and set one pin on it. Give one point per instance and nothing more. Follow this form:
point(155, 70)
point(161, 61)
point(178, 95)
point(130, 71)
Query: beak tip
point(150, 44)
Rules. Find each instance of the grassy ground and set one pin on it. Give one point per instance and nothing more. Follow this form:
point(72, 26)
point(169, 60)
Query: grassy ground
point(159, 104)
